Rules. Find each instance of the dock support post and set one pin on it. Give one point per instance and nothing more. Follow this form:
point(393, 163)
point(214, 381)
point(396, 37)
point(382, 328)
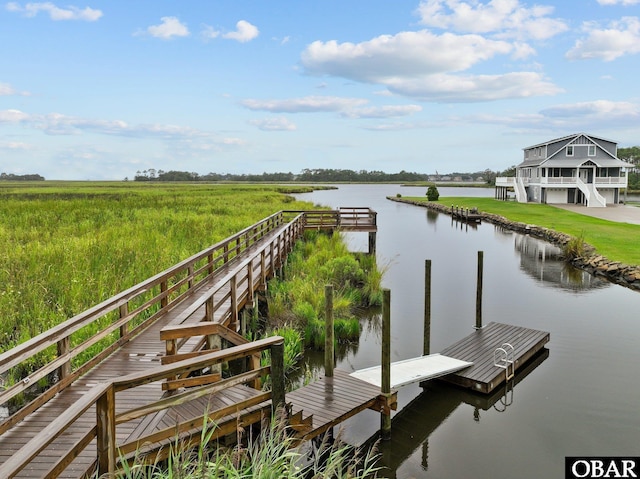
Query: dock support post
point(479, 291)
point(329, 331)
point(385, 418)
point(426, 345)
point(372, 242)
point(277, 377)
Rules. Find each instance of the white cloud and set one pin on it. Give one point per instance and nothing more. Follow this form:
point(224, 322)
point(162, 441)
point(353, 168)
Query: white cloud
point(14, 145)
point(426, 66)
point(474, 88)
point(620, 38)
point(169, 28)
point(583, 116)
point(389, 111)
point(8, 90)
point(274, 124)
point(56, 13)
point(595, 109)
point(619, 2)
point(406, 54)
point(504, 18)
point(58, 124)
point(304, 105)
point(13, 116)
point(244, 32)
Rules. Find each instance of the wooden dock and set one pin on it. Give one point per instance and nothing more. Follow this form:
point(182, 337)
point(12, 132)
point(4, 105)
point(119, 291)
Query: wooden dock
point(331, 400)
point(480, 348)
point(465, 214)
point(137, 388)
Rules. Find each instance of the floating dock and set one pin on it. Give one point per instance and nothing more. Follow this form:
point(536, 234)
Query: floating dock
point(497, 351)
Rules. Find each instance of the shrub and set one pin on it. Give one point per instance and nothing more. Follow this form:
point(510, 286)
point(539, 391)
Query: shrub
point(432, 193)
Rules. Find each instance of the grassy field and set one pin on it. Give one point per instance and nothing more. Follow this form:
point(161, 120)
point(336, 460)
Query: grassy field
point(65, 247)
point(616, 241)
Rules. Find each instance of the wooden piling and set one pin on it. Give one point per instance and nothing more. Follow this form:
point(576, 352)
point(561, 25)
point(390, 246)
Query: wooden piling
point(277, 376)
point(329, 356)
point(426, 346)
point(479, 290)
point(385, 389)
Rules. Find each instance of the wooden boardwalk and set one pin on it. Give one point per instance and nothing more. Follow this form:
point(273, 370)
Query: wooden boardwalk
point(136, 389)
point(480, 349)
point(331, 400)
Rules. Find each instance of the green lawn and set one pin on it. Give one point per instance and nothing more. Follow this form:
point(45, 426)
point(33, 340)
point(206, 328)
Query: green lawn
point(616, 241)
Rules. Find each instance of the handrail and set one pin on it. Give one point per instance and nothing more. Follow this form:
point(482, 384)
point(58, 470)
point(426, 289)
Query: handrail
point(104, 398)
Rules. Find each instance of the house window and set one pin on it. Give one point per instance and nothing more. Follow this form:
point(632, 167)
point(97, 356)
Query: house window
point(591, 150)
point(570, 150)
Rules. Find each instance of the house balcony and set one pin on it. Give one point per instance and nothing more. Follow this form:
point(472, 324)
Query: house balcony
point(602, 182)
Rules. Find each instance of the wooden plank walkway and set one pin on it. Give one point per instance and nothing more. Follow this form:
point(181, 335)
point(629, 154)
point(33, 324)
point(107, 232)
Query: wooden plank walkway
point(332, 400)
point(413, 370)
point(216, 298)
point(479, 348)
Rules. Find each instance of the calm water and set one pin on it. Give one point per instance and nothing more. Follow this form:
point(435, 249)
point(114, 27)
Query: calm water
point(583, 399)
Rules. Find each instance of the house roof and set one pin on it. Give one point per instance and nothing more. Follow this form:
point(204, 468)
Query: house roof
point(573, 136)
point(576, 162)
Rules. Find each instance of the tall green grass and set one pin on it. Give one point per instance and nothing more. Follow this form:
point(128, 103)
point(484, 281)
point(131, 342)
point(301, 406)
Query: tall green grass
point(299, 300)
point(65, 247)
point(273, 453)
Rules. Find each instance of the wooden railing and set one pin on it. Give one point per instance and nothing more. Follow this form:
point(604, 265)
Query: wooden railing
point(117, 319)
point(345, 218)
point(103, 397)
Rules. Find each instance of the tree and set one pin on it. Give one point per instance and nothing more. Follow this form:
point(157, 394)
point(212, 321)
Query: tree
point(432, 193)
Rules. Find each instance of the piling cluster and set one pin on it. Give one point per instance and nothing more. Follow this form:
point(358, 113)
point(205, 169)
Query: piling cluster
point(595, 264)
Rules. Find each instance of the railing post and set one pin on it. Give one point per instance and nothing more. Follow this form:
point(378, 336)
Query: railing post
point(106, 433)
point(210, 269)
point(124, 311)
point(63, 349)
point(234, 301)
point(190, 273)
point(277, 376)
point(263, 271)
point(329, 331)
point(208, 309)
point(164, 302)
point(250, 278)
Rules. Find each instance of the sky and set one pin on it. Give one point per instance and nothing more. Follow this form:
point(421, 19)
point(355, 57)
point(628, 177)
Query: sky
point(101, 90)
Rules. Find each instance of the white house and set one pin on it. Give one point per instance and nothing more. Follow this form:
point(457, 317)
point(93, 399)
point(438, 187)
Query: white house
point(576, 169)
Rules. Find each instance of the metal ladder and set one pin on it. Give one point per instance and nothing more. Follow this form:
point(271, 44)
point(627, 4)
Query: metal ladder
point(503, 357)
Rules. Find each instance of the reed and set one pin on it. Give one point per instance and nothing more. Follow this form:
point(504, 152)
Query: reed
point(65, 247)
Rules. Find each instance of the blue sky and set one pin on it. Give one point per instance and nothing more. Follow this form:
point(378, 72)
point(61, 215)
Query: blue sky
point(103, 89)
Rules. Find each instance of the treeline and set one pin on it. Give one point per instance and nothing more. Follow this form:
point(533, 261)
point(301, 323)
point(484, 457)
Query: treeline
point(315, 176)
point(12, 177)
point(632, 155)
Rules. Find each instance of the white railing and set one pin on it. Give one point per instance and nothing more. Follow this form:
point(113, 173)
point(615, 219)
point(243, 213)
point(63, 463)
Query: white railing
point(620, 181)
point(521, 192)
point(594, 198)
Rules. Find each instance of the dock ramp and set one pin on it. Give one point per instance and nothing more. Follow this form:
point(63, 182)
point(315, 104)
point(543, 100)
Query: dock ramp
point(413, 370)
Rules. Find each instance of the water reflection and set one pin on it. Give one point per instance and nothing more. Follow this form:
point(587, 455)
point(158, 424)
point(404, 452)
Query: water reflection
point(543, 262)
point(413, 425)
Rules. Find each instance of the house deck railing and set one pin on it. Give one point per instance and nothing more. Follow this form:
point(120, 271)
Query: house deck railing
point(614, 181)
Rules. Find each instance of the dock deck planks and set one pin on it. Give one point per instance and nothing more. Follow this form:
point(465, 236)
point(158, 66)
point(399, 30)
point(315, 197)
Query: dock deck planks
point(332, 400)
point(479, 348)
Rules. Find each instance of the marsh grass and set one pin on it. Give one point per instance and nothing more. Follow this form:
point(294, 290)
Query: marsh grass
point(318, 261)
point(65, 247)
point(272, 453)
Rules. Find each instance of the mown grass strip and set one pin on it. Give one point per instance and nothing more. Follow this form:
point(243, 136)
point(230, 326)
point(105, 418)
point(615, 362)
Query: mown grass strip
point(616, 241)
